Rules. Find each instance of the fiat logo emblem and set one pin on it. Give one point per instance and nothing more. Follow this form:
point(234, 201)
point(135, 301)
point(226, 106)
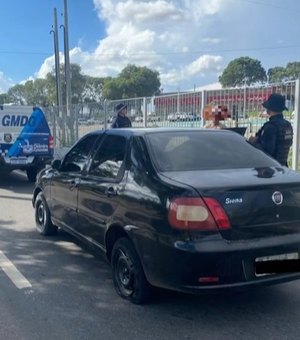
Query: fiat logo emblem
point(277, 197)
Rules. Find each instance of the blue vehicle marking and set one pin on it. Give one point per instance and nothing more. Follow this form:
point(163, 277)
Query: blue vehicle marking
point(34, 137)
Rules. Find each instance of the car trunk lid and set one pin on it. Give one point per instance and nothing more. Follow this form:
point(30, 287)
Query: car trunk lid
point(258, 202)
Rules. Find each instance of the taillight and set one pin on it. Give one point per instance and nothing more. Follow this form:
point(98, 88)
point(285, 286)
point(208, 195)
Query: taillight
point(191, 213)
point(50, 142)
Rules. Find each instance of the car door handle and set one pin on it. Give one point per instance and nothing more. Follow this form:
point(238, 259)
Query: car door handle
point(74, 183)
point(111, 191)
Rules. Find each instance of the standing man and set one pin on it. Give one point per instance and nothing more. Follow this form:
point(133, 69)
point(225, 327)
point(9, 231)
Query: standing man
point(276, 136)
point(121, 120)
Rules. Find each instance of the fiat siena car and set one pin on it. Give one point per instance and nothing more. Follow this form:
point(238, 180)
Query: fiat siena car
point(183, 209)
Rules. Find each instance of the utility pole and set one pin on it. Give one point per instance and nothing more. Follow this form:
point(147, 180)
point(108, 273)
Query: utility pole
point(57, 72)
point(296, 141)
point(67, 71)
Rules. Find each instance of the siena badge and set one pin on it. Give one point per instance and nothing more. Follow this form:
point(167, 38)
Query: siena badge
point(277, 197)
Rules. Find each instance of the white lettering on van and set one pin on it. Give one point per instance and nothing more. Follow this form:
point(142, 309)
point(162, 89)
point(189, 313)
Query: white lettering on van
point(40, 147)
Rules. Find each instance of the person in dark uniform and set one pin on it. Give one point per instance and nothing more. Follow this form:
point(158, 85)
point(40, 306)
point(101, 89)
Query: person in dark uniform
point(276, 136)
point(121, 120)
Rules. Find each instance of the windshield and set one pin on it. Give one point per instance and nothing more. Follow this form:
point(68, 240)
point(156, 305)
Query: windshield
point(204, 150)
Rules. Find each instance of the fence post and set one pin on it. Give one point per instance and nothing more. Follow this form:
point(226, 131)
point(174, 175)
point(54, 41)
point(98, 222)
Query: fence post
point(245, 101)
point(203, 103)
point(145, 112)
point(105, 113)
point(295, 159)
point(75, 109)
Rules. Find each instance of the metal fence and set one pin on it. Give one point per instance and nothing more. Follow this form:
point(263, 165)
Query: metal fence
point(180, 109)
point(186, 108)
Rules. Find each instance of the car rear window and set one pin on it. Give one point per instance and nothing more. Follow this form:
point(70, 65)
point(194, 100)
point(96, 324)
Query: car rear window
point(204, 150)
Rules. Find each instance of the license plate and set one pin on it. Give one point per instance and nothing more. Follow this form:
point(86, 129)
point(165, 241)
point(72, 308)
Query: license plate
point(277, 264)
point(290, 256)
point(18, 161)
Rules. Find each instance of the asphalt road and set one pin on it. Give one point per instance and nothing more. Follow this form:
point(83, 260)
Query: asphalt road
point(55, 288)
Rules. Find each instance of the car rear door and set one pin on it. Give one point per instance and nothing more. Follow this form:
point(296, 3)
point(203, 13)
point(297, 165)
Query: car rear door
point(100, 191)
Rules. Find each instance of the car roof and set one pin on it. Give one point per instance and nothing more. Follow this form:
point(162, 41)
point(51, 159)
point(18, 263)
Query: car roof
point(145, 131)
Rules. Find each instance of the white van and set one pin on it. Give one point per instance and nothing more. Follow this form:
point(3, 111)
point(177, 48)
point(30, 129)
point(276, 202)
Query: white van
point(26, 142)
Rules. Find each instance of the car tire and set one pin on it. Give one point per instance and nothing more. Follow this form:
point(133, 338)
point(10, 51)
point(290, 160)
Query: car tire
point(128, 275)
point(42, 217)
point(31, 174)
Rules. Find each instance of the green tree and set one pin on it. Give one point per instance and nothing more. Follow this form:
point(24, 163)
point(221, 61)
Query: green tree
point(36, 92)
point(243, 70)
point(41, 93)
point(78, 81)
point(33, 92)
point(133, 81)
point(17, 94)
point(277, 74)
point(92, 95)
point(281, 74)
point(4, 98)
point(111, 89)
point(293, 70)
point(51, 88)
point(92, 92)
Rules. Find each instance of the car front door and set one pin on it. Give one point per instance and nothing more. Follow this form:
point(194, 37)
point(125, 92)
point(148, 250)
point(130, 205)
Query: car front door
point(100, 191)
point(65, 181)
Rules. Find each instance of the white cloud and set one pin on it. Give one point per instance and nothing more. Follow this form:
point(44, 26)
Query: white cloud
point(23, 82)
point(194, 70)
point(163, 35)
point(46, 67)
point(204, 63)
point(211, 40)
point(148, 11)
point(5, 83)
point(139, 11)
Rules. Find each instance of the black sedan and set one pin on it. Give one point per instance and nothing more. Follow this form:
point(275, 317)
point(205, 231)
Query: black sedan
point(183, 209)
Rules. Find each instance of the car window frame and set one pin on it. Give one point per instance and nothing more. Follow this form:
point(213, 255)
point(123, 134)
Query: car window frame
point(122, 168)
point(81, 171)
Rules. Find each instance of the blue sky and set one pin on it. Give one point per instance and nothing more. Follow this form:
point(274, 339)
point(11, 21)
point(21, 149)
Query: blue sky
point(189, 42)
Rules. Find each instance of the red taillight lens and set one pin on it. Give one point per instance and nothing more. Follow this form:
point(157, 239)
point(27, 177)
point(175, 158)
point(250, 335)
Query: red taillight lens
point(190, 213)
point(218, 213)
point(51, 142)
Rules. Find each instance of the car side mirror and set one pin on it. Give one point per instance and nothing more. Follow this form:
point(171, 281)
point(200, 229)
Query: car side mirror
point(56, 163)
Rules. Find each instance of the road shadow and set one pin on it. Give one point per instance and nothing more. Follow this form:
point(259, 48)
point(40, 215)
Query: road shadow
point(16, 181)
